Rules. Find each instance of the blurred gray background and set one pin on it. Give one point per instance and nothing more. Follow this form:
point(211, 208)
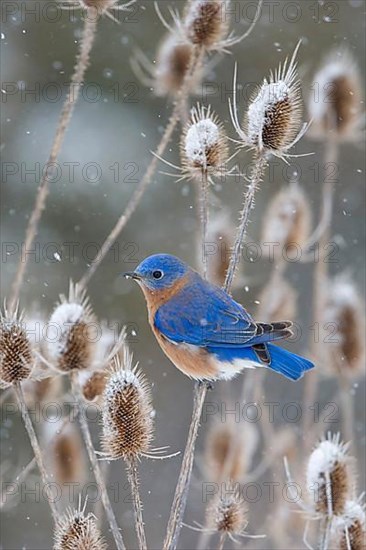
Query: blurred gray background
point(119, 128)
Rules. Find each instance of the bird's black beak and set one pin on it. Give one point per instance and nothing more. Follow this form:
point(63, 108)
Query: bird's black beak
point(131, 275)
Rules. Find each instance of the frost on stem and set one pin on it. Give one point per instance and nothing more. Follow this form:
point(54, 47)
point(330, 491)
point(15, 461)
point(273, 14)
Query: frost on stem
point(76, 530)
point(127, 413)
point(272, 123)
point(73, 344)
point(98, 7)
point(329, 476)
point(16, 353)
point(335, 104)
point(204, 148)
point(344, 309)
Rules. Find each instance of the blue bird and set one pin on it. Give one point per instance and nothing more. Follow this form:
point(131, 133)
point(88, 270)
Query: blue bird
point(203, 331)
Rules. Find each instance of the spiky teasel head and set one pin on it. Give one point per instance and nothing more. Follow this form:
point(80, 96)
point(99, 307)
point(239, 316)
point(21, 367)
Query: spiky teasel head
point(206, 23)
point(204, 147)
point(229, 442)
point(92, 384)
point(65, 451)
point(73, 343)
point(76, 530)
point(101, 7)
point(336, 101)
point(127, 413)
point(348, 531)
point(228, 513)
point(272, 123)
point(172, 62)
point(220, 237)
point(278, 301)
point(329, 475)
point(16, 353)
point(344, 309)
point(287, 222)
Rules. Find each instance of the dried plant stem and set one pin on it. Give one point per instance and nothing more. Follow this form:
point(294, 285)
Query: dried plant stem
point(133, 478)
point(347, 406)
point(222, 541)
point(203, 208)
point(34, 442)
point(260, 164)
point(82, 63)
point(320, 283)
point(181, 491)
point(134, 201)
point(96, 467)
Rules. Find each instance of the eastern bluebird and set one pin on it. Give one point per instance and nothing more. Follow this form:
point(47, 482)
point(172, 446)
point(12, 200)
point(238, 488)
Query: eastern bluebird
point(203, 331)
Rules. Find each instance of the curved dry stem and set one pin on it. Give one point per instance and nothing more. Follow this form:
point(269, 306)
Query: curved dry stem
point(96, 467)
point(203, 218)
point(255, 178)
point(35, 445)
point(134, 201)
point(222, 541)
point(133, 478)
point(86, 44)
point(181, 491)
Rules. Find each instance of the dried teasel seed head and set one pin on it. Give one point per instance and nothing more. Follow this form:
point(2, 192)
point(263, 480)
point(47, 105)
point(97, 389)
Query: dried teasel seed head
point(348, 531)
point(65, 451)
point(228, 512)
point(272, 124)
point(127, 413)
point(229, 442)
point(337, 105)
point(344, 310)
point(287, 223)
point(329, 476)
point(16, 352)
point(278, 301)
point(78, 531)
point(220, 236)
point(72, 346)
point(173, 59)
point(92, 384)
point(206, 23)
point(204, 149)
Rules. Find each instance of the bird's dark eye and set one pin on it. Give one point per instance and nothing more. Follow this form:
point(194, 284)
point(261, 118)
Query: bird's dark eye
point(157, 274)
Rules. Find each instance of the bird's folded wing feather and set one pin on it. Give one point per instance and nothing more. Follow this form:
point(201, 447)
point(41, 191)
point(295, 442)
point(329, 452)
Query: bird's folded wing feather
point(201, 314)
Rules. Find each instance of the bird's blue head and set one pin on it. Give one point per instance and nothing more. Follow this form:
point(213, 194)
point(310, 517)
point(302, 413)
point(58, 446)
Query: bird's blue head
point(159, 272)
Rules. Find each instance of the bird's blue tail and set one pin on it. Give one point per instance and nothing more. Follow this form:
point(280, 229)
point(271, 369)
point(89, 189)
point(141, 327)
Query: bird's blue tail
point(289, 364)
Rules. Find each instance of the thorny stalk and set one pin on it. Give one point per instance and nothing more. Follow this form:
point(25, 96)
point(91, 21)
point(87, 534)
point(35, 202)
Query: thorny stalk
point(82, 63)
point(96, 467)
point(35, 445)
point(181, 492)
point(195, 62)
point(133, 478)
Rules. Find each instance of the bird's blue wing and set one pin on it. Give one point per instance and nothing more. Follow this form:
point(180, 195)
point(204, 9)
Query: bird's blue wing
point(202, 315)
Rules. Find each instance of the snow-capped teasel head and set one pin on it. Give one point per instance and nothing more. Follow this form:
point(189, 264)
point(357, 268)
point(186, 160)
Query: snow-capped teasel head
point(329, 476)
point(272, 123)
point(127, 413)
point(17, 357)
point(206, 24)
point(76, 529)
point(335, 103)
point(71, 342)
point(348, 531)
point(204, 145)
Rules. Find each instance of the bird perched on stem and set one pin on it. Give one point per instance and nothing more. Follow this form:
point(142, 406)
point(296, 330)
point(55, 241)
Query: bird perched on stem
point(203, 331)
